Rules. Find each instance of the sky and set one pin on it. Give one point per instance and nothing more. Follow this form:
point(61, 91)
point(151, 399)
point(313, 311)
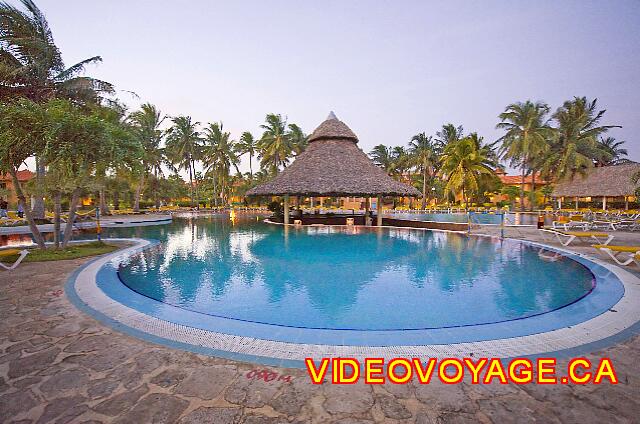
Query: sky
point(389, 69)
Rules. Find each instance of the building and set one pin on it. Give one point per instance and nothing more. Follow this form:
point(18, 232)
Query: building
point(6, 185)
point(607, 184)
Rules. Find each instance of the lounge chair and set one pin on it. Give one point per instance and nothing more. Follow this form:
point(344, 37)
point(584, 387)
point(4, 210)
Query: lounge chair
point(566, 223)
point(572, 235)
point(615, 251)
point(10, 252)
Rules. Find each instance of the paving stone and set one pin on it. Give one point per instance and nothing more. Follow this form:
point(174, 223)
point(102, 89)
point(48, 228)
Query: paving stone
point(444, 397)
point(64, 380)
point(28, 364)
point(27, 382)
point(392, 408)
point(252, 393)
point(204, 415)
point(169, 377)
point(348, 399)
point(117, 404)
point(13, 403)
point(263, 419)
point(64, 409)
point(89, 344)
point(206, 383)
point(101, 388)
point(293, 397)
point(157, 408)
point(511, 409)
point(351, 421)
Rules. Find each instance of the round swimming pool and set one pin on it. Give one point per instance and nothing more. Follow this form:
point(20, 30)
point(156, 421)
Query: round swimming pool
point(351, 279)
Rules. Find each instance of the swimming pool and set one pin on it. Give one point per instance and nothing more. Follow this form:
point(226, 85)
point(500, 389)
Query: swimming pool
point(339, 278)
point(240, 288)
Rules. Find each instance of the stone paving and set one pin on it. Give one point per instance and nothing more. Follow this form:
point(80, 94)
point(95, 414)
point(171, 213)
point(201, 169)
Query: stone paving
point(58, 365)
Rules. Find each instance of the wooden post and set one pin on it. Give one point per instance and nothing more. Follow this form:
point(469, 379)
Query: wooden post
point(286, 209)
point(626, 203)
point(366, 210)
point(577, 202)
point(559, 202)
point(379, 211)
point(604, 203)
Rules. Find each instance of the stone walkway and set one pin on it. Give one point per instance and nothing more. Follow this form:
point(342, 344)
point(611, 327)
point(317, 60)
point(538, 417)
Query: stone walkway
point(58, 365)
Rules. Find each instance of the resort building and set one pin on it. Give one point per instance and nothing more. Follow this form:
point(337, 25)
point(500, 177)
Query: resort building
point(6, 185)
point(611, 185)
point(334, 166)
point(516, 181)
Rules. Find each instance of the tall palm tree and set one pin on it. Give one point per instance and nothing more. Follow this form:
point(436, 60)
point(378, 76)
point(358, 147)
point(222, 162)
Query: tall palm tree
point(424, 156)
point(448, 134)
point(218, 156)
point(275, 145)
point(184, 147)
point(248, 145)
point(464, 163)
point(383, 157)
point(613, 152)
point(574, 147)
point(298, 138)
point(146, 126)
point(31, 66)
point(526, 138)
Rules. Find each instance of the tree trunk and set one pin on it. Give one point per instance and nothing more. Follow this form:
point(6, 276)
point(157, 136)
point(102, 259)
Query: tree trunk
point(522, 189)
point(533, 189)
point(191, 183)
point(196, 183)
point(104, 208)
point(37, 236)
point(38, 203)
point(155, 189)
point(73, 206)
point(116, 200)
point(250, 166)
point(136, 200)
point(424, 188)
point(57, 209)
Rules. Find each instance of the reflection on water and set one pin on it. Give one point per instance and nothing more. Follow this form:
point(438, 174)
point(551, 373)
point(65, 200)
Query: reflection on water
point(327, 277)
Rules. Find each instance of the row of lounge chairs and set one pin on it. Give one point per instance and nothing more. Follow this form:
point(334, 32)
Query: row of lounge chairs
point(598, 222)
point(622, 255)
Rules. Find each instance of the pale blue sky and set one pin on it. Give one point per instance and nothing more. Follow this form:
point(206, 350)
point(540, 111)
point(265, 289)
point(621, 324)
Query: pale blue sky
point(388, 69)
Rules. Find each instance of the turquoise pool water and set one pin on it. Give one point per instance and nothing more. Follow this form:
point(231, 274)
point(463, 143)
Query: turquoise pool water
point(337, 278)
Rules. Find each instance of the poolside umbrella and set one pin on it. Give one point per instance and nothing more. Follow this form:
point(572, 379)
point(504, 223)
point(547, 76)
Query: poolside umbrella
point(333, 166)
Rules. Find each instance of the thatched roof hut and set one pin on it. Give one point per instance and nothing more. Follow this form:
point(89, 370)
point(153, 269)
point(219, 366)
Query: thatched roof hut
point(333, 165)
point(607, 181)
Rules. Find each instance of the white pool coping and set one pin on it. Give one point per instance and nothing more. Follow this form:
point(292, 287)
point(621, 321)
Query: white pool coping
point(608, 324)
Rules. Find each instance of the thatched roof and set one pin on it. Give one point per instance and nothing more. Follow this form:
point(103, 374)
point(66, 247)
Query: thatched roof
point(333, 165)
point(608, 181)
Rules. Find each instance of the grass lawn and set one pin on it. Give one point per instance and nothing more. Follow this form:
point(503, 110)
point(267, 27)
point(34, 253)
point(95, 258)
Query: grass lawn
point(72, 251)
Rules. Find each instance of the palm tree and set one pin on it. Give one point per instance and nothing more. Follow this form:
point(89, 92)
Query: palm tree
point(448, 134)
point(184, 147)
point(525, 140)
point(219, 155)
point(275, 145)
point(613, 152)
point(465, 162)
point(574, 147)
point(146, 126)
point(31, 66)
point(383, 157)
point(298, 138)
point(424, 156)
point(248, 145)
